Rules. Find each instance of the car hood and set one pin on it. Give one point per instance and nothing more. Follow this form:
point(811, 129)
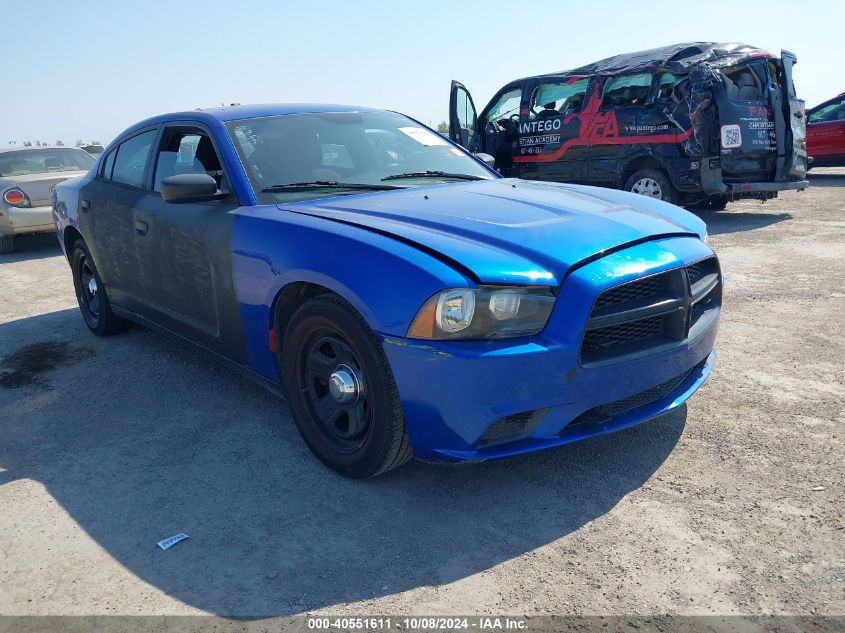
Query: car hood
point(506, 230)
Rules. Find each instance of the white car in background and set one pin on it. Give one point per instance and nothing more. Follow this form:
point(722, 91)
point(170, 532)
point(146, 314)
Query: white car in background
point(26, 175)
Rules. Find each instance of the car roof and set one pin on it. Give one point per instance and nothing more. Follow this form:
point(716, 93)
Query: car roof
point(237, 112)
point(677, 57)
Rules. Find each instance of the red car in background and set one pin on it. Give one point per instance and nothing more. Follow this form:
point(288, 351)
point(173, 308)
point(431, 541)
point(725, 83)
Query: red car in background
point(826, 133)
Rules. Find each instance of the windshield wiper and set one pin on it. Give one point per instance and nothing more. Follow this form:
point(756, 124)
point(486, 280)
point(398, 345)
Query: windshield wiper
point(327, 184)
point(432, 174)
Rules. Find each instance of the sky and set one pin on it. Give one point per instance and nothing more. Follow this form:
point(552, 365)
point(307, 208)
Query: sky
point(89, 69)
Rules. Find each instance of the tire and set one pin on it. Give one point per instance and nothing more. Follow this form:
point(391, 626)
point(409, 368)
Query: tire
point(652, 183)
point(7, 244)
point(327, 340)
point(91, 294)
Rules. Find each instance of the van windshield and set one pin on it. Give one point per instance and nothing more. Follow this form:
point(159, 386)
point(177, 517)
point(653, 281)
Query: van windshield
point(302, 156)
point(41, 161)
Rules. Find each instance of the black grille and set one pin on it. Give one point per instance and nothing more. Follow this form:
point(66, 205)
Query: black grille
point(605, 412)
point(643, 398)
point(699, 270)
point(614, 335)
point(511, 428)
point(628, 293)
point(652, 314)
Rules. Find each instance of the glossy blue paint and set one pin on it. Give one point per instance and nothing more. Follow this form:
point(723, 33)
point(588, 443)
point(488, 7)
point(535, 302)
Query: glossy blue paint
point(388, 252)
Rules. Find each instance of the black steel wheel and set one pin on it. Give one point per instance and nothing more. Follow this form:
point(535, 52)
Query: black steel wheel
point(91, 294)
point(336, 389)
point(341, 391)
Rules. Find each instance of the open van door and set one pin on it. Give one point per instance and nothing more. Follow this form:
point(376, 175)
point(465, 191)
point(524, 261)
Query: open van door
point(463, 119)
point(795, 154)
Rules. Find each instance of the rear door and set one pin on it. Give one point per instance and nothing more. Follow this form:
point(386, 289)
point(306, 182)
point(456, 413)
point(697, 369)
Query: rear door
point(464, 128)
point(747, 123)
point(795, 139)
point(107, 217)
point(626, 123)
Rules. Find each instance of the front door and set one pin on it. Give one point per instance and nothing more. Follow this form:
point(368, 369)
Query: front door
point(186, 247)
point(463, 119)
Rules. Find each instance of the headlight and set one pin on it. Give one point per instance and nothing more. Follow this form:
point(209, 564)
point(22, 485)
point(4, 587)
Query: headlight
point(705, 236)
point(484, 312)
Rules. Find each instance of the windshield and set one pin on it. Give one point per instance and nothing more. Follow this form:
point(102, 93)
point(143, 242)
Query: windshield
point(42, 161)
point(360, 149)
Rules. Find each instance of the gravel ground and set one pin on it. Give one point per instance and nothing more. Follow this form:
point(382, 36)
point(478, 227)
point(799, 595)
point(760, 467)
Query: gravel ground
point(731, 505)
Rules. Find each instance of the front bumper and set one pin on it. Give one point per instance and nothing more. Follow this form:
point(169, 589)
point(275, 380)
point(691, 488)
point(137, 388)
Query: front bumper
point(453, 392)
point(17, 220)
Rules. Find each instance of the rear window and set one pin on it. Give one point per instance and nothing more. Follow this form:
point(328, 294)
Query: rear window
point(743, 84)
point(43, 161)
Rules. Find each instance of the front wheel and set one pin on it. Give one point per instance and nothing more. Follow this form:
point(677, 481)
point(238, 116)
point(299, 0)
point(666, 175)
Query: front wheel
point(91, 294)
point(341, 391)
point(651, 183)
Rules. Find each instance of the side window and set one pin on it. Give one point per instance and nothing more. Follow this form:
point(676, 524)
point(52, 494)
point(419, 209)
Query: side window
point(506, 106)
point(557, 99)
point(466, 113)
point(108, 165)
point(131, 159)
point(831, 112)
point(626, 90)
point(187, 151)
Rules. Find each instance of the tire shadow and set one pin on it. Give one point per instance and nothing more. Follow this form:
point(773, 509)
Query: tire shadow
point(139, 439)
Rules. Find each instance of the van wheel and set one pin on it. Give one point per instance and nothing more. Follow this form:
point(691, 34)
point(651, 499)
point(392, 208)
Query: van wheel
point(7, 244)
point(653, 184)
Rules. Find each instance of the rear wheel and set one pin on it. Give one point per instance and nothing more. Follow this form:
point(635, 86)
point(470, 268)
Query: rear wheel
point(7, 244)
point(91, 294)
point(651, 183)
point(341, 391)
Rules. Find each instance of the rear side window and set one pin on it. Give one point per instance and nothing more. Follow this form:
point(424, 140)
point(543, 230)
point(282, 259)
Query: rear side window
point(557, 98)
point(131, 159)
point(626, 90)
point(41, 161)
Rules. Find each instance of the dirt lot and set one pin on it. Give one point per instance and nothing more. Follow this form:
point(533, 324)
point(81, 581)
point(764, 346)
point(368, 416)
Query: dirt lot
point(731, 505)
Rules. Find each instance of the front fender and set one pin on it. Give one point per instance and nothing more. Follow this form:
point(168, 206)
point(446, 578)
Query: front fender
point(386, 281)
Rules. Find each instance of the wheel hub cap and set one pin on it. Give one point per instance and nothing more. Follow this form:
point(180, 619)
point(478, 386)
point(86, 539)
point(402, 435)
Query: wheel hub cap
point(648, 187)
point(92, 285)
point(344, 385)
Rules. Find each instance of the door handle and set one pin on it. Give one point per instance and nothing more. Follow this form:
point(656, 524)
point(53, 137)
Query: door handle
point(85, 205)
point(141, 227)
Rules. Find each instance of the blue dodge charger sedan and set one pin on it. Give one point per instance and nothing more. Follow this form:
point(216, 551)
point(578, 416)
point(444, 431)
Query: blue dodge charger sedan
point(405, 299)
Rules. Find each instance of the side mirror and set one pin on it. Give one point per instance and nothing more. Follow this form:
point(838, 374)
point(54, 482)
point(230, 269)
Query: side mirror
point(190, 188)
point(488, 160)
